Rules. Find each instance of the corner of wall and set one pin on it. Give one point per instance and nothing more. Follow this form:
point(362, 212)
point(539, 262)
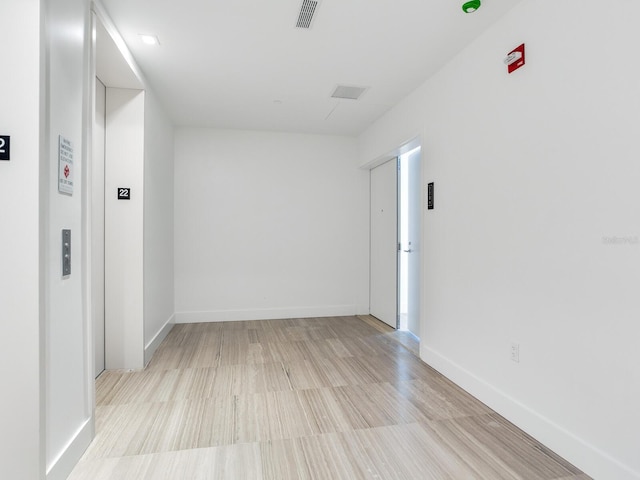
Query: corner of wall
point(153, 345)
point(593, 460)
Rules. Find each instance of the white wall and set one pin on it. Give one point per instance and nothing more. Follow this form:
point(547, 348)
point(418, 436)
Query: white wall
point(45, 336)
point(124, 168)
point(158, 225)
point(49, 419)
point(68, 410)
point(534, 173)
point(21, 455)
point(268, 225)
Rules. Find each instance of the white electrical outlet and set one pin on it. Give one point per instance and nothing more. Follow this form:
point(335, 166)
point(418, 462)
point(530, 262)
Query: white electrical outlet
point(515, 352)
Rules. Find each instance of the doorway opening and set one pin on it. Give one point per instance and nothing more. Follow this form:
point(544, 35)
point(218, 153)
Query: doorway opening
point(118, 111)
point(409, 241)
point(396, 230)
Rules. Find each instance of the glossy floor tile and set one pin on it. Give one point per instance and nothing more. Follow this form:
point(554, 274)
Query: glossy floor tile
point(323, 398)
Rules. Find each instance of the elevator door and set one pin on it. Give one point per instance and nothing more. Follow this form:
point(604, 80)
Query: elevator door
point(97, 226)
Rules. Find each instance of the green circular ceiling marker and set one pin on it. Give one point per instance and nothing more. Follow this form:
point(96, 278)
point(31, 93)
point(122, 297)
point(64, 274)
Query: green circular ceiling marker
point(471, 6)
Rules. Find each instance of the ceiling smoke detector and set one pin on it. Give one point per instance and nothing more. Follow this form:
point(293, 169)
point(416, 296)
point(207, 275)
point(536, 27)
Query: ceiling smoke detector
point(307, 12)
point(348, 92)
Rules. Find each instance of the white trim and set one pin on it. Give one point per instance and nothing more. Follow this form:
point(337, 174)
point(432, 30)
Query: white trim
point(590, 459)
point(62, 466)
point(155, 342)
point(415, 141)
point(265, 314)
point(101, 13)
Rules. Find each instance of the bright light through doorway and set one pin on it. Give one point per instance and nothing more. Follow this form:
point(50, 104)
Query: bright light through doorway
point(407, 245)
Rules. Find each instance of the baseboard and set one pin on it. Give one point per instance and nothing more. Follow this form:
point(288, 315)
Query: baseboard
point(153, 345)
point(588, 458)
point(265, 314)
point(62, 466)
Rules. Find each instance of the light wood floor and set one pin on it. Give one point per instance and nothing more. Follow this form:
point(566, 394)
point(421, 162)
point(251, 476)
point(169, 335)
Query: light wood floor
point(326, 398)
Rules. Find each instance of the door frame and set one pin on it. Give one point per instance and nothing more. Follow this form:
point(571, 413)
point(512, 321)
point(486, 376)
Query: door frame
point(405, 147)
point(409, 163)
point(97, 228)
point(109, 60)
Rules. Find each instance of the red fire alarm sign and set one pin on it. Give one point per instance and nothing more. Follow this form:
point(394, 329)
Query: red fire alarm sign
point(515, 59)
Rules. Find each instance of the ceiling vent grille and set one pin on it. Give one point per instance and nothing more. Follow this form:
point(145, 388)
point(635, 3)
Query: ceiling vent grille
point(307, 11)
point(348, 92)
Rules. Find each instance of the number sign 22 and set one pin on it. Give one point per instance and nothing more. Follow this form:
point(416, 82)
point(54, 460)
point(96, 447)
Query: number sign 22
point(4, 147)
point(124, 193)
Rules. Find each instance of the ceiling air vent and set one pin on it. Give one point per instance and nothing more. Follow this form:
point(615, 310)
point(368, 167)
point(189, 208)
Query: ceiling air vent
point(348, 92)
point(307, 11)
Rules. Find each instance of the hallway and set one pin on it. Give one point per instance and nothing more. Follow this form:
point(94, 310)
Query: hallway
point(322, 398)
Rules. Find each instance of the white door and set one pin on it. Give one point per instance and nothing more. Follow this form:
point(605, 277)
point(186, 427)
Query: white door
point(414, 214)
point(383, 302)
point(97, 226)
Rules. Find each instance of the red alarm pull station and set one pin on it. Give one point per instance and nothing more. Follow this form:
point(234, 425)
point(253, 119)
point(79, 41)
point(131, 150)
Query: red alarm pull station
point(515, 59)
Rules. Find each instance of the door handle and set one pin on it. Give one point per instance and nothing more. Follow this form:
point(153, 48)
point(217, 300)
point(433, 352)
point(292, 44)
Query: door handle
point(408, 251)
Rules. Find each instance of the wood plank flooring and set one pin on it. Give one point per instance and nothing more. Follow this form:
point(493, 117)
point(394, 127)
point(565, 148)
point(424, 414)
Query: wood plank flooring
point(324, 398)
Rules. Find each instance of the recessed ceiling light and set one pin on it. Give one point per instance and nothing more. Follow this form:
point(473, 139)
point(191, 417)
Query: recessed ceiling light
point(149, 39)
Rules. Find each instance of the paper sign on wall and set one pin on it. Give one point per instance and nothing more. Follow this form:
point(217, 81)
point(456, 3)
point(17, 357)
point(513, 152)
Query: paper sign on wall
point(65, 165)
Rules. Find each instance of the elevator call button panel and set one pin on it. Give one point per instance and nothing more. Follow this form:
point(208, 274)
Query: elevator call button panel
point(66, 253)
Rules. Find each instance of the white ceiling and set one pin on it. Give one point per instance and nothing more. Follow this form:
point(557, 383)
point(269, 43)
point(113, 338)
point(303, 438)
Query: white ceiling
point(244, 64)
